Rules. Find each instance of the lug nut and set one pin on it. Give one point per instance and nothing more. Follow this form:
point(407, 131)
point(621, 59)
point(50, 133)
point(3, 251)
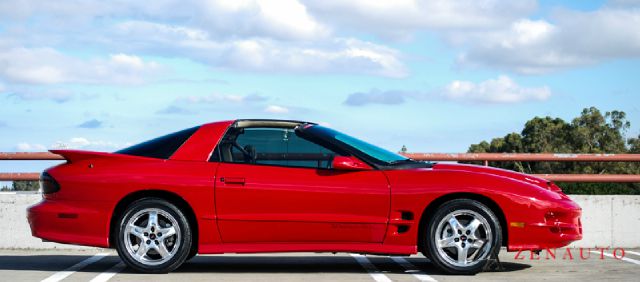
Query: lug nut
point(459, 232)
point(468, 232)
point(159, 234)
point(148, 242)
point(153, 229)
point(456, 239)
point(146, 234)
point(157, 243)
point(463, 244)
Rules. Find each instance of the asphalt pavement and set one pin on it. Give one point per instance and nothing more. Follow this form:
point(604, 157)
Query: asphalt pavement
point(104, 265)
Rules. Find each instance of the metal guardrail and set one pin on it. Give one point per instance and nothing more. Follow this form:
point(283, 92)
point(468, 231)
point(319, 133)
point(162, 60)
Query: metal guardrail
point(29, 156)
point(483, 157)
point(543, 157)
point(507, 157)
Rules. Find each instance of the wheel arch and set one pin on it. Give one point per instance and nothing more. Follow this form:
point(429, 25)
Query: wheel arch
point(154, 193)
point(433, 206)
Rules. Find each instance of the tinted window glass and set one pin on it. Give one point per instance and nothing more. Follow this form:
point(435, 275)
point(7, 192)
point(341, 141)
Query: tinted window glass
point(373, 151)
point(274, 146)
point(161, 147)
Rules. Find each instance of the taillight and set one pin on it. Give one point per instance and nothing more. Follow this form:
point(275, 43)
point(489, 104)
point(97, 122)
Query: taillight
point(48, 184)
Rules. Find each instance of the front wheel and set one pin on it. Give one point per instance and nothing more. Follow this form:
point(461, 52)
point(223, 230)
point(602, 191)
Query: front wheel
point(153, 236)
point(462, 235)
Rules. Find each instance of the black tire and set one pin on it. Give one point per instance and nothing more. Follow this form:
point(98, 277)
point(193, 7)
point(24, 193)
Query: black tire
point(175, 247)
point(453, 255)
point(192, 254)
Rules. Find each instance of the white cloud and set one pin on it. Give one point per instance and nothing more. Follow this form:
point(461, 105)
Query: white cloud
point(85, 143)
point(194, 104)
point(500, 90)
point(302, 36)
point(49, 66)
point(158, 33)
point(217, 98)
point(624, 3)
point(402, 18)
point(34, 93)
point(306, 36)
point(247, 35)
point(283, 19)
point(28, 147)
point(573, 39)
point(274, 109)
point(79, 142)
point(341, 55)
point(375, 96)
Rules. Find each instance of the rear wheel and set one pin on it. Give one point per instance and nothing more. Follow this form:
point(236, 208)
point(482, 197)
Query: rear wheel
point(153, 236)
point(461, 236)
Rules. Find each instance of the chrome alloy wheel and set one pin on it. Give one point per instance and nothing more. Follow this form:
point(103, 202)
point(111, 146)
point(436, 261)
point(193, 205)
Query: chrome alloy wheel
point(463, 238)
point(152, 236)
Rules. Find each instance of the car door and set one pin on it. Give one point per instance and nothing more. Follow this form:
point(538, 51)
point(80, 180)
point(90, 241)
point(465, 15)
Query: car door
point(281, 190)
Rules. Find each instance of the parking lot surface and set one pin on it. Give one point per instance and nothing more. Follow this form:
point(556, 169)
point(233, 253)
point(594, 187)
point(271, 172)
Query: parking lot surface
point(104, 265)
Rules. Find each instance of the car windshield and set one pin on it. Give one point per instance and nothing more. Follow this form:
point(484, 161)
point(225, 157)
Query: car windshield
point(369, 149)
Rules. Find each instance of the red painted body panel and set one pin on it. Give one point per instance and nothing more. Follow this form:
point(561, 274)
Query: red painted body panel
point(202, 143)
point(519, 202)
point(262, 208)
point(283, 204)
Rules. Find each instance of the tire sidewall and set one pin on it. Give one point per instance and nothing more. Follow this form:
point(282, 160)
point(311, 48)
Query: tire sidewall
point(448, 208)
point(185, 239)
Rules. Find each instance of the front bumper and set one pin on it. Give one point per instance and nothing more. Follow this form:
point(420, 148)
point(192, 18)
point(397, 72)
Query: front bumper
point(553, 227)
point(77, 222)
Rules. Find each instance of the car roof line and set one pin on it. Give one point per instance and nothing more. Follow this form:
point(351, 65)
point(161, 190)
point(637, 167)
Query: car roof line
point(243, 123)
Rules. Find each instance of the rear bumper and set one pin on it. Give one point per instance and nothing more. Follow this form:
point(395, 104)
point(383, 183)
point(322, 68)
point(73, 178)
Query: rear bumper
point(75, 222)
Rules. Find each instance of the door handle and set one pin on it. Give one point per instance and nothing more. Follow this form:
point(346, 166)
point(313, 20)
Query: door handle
point(233, 180)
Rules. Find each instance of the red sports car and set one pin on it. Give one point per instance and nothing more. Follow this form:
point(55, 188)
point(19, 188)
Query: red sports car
point(250, 186)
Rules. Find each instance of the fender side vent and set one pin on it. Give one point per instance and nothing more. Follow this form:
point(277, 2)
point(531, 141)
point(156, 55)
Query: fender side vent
point(403, 229)
point(407, 215)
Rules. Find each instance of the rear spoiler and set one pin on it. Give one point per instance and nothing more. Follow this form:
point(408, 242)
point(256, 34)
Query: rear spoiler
point(78, 155)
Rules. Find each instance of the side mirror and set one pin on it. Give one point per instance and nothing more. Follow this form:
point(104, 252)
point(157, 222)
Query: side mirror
point(348, 163)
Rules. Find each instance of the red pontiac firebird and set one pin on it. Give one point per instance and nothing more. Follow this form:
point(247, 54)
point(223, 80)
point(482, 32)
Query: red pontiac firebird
point(250, 186)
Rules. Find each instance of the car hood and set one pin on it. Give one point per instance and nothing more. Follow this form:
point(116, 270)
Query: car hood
point(526, 178)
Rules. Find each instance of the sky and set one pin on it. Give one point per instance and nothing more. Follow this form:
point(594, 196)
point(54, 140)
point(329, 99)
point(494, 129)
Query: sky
point(435, 76)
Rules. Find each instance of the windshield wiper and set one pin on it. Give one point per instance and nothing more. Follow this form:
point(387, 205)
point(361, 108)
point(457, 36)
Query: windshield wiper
point(402, 161)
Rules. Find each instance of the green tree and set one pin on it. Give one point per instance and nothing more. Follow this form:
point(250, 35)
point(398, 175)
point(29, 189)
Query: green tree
point(591, 132)
point(26, 186)
point(634, 145)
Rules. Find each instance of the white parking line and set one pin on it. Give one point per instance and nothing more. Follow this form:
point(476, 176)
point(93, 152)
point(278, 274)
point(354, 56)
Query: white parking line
point(633, 253)
point(105, 276)
point(370, 268)
point(65, 273)
point(624, 258)
point(410, 268)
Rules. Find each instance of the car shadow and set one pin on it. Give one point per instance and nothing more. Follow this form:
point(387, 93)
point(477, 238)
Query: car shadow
point(277, 264)
point(240, 264)
point(509, 267)
point(312, 264)
point(51, 263)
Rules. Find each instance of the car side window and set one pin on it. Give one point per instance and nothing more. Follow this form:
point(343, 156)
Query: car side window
point(273, 146)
